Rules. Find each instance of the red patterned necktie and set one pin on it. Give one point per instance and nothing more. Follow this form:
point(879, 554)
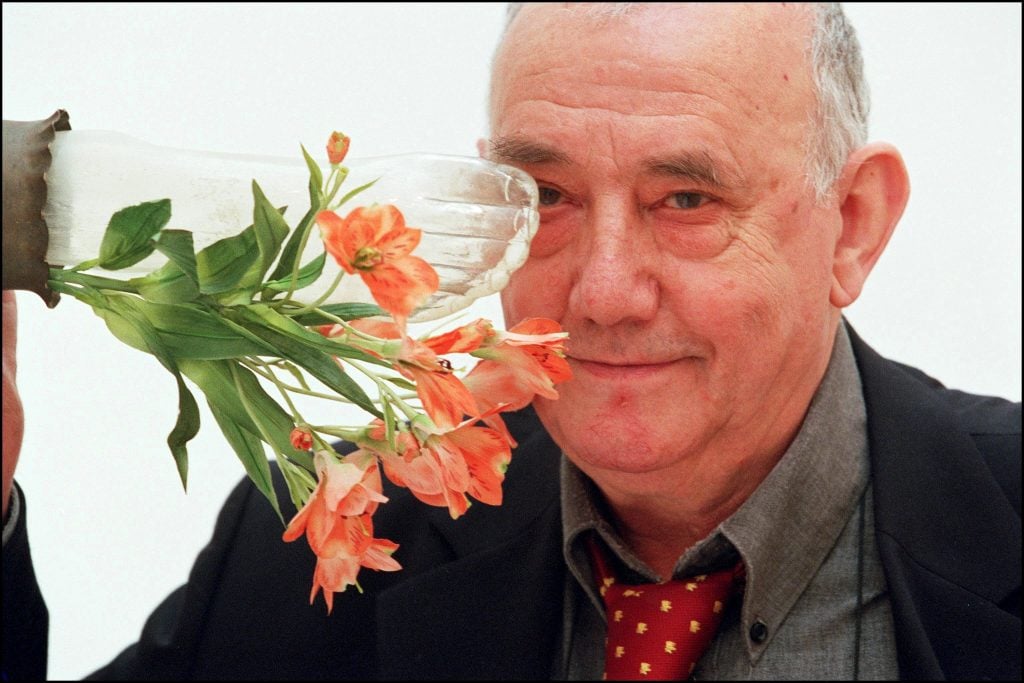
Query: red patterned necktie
point(659, 631)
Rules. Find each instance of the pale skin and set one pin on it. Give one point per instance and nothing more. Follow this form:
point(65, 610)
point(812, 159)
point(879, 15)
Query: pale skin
point(681, 247)
point(14, 417)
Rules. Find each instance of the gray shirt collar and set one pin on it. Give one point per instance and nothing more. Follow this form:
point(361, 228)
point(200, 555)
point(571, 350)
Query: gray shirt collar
point(783, 531)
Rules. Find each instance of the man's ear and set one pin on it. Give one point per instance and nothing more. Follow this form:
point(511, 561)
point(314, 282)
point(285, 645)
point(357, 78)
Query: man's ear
point(481, 147)
point(872, 192)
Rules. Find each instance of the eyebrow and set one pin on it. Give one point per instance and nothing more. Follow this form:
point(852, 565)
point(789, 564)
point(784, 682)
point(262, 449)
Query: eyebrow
point(518, 150)
point(698, 167)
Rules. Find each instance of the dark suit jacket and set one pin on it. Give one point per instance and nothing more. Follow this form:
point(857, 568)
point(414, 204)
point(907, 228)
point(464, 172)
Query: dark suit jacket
point(481, 597)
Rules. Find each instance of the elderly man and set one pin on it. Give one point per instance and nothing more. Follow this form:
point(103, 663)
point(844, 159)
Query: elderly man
point(709, 206)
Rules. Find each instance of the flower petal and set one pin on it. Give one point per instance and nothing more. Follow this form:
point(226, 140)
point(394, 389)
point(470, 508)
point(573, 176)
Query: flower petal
point(461, 340)
point(400, 286)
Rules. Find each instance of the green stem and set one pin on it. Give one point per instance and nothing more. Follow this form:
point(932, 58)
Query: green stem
point(350, 434)
point(269, 374)
point(296, 390)
point(96, 281)
point(338, 180)
point(247, 405)
point(383, 388)
point(323, 297)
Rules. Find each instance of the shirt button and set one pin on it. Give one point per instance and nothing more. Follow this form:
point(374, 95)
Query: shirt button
point(758, 631)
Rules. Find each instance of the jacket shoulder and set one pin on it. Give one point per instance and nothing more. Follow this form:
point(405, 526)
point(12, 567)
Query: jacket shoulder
point(993, 424)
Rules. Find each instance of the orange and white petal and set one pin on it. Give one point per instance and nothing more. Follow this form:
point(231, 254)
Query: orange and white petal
point(400, 286)
point(445, 398)
point(462, 339)
point(487, 455)
point(378, 556)
point(338, 239)
point(398, 243)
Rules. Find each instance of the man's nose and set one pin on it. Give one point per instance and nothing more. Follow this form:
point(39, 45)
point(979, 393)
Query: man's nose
point(616, 281)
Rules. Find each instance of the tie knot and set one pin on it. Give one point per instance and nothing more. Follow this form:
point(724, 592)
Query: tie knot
point(660, 630)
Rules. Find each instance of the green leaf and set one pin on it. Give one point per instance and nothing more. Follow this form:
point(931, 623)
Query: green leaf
point(128, 238)
point(232, 269)
point(270, 230)
point(177, 245)
point(260, 315)
point(185, 428)
point(122, 329)
point(249, 450)
point(389, 424)
point(218, 383)
point(355, 191)
point(301, 481)
point(222, 265)
point(167, 285)
point(192, 331)
point(301, 350)
point(316, 180)
point(290, 254)
point(119, 307)
point(346, 311)
point(308, 274)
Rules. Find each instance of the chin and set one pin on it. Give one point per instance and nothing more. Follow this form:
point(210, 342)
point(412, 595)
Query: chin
point(594, 441)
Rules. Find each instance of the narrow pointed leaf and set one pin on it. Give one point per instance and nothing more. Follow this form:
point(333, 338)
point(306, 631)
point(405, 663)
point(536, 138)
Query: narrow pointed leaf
point(128, 237)
point(249, 450)
point(308, 274)
point(306, 354)
point(222, 265)
point(187, 424)
point(345, 311)
point(218, 384)
point(190, 331)
point(270, 230)
point(167, 284)
point(177, 245)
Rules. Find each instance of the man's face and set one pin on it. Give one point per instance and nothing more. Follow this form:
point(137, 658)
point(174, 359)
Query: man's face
point(679, 243)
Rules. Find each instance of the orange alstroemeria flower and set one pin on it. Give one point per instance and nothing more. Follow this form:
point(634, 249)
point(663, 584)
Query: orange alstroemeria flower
point(337, 523)
point(375, 243)
point(469, 460)
point(351, 545)
point(445, 398)
point(465, 339)
point(527, 361)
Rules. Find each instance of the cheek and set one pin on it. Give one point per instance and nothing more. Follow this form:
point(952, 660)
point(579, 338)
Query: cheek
point(540, 289)
point(555, 232)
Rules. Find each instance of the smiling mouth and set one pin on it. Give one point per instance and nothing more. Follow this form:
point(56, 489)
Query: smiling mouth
point(619, 370)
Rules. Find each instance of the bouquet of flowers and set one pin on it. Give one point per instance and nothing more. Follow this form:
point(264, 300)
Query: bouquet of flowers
point(231, 319)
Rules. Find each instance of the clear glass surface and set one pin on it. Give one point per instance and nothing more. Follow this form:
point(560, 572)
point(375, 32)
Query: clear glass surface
point(477, 217)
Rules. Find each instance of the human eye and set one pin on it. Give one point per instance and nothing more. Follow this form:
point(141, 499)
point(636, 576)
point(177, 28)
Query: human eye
point(686, 200)
point(548, 196)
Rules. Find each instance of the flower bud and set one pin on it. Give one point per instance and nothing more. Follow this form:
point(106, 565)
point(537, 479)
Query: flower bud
point(337, 147)
point(301, 438)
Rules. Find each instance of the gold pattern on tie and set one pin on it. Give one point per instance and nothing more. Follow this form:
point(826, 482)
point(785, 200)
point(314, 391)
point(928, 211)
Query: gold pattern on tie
point(660, 631)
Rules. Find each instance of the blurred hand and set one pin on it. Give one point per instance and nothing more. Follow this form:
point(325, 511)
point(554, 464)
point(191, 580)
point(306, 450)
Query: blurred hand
point(14, 415)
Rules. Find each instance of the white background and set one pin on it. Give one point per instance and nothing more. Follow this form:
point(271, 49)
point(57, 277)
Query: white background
point(112, 533)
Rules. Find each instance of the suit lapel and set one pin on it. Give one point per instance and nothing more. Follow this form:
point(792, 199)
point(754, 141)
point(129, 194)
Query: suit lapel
point(944, 529)
point(495, 611)
point(490, 615)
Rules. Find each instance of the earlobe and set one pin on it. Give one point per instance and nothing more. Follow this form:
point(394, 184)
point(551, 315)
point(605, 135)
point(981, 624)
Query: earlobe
point(873, 191)
point(481, 147)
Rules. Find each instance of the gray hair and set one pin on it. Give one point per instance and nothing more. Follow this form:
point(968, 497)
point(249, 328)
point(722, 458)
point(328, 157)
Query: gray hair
point(840, 118)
